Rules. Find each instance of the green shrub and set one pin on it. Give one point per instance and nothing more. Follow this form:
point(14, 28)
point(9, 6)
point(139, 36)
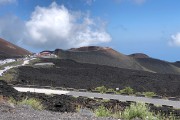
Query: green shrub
point(102, 89)
point(138, 110)
point(34, 103)
point(110, 90)
point(118, 92)
point(127, 90)
point(117, 114)
point(102, 112)
point(138, 93)
point(149, 94)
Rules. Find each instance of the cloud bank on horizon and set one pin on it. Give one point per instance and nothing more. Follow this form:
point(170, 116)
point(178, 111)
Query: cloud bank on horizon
point(55, 27)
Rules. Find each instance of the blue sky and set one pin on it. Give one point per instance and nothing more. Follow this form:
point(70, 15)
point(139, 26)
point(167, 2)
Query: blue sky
point(128, 26)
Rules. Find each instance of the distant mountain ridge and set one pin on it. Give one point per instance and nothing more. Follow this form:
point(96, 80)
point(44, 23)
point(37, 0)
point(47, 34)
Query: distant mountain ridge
point(99, 55)
point(8, 49)
point(108, 56)
point(139, 55)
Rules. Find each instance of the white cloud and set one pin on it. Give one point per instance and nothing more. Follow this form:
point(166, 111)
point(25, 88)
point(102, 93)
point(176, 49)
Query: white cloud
point(175, 40)
point(56, 26)
point(3, 2)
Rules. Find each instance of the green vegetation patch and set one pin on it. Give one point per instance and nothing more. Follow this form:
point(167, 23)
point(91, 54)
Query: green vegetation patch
point(138, 110)
point(149, 94)
point(127, 90)
point(101, 111)
point(33, 102)
point(102, 89)
point(9, 75)
point(135, 110)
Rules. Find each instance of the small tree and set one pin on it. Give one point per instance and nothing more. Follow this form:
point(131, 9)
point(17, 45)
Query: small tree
point(110, 90)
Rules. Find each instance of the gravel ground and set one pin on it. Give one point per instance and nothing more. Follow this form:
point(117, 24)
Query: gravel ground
point(10, 112)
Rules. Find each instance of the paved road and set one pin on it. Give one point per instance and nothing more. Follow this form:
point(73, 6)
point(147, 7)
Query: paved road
point(45, 64)
point(175, 104)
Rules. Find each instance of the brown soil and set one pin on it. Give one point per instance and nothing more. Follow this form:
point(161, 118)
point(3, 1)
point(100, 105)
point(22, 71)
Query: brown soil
point(9, 49)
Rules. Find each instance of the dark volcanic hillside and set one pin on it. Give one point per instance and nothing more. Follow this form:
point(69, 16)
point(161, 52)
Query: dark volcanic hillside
point(99, 55)
point(8, 49)
point(68, 73)
point(177, 64)
point(158, 66)
point(110, 57)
